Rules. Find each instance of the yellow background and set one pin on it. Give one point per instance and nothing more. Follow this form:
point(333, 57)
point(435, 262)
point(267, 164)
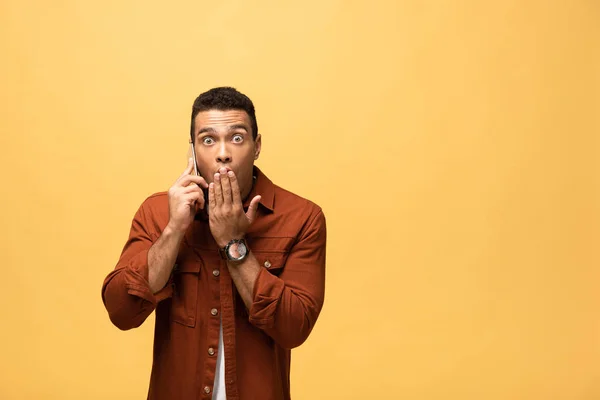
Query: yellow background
point(452, 144)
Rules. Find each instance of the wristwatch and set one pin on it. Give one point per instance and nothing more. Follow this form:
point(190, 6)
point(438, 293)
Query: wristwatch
point(235, 250)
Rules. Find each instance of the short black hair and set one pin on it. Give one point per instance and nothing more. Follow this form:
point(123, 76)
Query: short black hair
point(224, 98)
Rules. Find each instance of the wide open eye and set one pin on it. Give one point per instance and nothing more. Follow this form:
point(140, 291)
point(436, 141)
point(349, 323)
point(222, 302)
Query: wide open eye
point(207, 140)
point(237, 138)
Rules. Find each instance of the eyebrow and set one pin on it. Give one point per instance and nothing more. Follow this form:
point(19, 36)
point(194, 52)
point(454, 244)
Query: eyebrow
point(206, 130)
point(234, 127)
point(238, 126)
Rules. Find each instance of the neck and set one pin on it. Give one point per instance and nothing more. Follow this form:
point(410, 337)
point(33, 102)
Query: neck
point(246, 195)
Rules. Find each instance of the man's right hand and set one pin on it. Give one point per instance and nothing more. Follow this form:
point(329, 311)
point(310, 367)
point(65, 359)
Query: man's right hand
point(185, 199)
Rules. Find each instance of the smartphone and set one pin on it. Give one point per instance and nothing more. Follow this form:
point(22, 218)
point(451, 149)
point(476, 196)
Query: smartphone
point(192, 154)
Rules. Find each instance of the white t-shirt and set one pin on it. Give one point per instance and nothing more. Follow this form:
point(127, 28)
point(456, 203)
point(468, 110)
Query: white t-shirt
point(219, 387)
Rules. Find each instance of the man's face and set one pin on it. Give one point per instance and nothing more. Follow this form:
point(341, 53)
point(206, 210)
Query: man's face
point(224, 139)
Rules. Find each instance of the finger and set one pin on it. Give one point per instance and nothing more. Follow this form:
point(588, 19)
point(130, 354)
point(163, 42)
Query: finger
point(195, 189)
point(211, 196)
point(195, 199)
point(190, 189)
point(226, 187)
point(198, 180)
point(185, 192)
point(251, 214)
point(188, 170)
point(218, 190)
point(235, 188)
point(201, 199)
point(188, 201)
point(190, 198)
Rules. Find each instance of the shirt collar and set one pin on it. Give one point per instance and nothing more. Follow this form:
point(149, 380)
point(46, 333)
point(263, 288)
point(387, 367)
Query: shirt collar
point(263, 187)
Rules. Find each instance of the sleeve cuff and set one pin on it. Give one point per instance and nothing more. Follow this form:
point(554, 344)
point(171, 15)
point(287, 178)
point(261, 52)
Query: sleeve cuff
point(136, 280)
point(268, 290)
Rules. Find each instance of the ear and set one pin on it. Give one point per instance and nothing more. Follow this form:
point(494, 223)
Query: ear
point(257, 146)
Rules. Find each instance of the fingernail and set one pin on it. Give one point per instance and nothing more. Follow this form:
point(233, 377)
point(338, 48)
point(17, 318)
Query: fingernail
point(217, 177)
point(230, 173)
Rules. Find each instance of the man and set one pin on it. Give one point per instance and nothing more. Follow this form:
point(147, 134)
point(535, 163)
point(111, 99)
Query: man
point(237, 279)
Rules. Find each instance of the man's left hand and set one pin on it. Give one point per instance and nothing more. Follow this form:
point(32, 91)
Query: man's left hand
point(226, 214)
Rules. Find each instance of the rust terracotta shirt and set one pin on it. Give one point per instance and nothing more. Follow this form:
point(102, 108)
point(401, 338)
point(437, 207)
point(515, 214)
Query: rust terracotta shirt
point(288, 240)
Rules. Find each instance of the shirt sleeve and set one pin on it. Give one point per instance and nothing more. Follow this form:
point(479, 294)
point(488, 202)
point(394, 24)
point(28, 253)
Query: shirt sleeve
point(287, 306)
point(126, 292)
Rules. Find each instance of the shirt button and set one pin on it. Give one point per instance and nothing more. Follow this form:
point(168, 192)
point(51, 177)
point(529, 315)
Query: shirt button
point(267, 264)
point(214, 311)
point(206, 389)
point(216, 272)
point(211, 351)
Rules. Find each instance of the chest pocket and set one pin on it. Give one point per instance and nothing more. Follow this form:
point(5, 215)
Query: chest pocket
point(186, 276)
point(271, 252)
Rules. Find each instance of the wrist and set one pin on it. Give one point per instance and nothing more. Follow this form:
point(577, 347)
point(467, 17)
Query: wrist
point(224, 242)
point(171, 232)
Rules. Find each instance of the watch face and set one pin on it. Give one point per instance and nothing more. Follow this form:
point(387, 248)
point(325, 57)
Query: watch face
point(237, 251)
point(242, 250)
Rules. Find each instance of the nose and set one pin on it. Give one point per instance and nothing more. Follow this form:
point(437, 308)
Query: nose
point(223, 154)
